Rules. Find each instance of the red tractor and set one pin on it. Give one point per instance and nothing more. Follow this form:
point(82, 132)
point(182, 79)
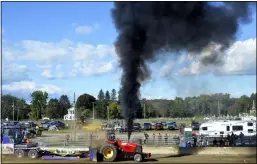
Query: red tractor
point(117, 150)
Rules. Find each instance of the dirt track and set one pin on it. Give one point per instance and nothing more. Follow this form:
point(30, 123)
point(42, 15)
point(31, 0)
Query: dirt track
point(154, 159)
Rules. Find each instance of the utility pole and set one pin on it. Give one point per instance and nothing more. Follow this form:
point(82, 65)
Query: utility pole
point(108, 113)
point(18, 114)
point(74, 121)
point(218, 108)
point(93, 110)
point(13, 110)
point(144, 110)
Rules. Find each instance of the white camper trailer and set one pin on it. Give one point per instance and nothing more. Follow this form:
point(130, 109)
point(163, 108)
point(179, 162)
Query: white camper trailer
point(218, 128)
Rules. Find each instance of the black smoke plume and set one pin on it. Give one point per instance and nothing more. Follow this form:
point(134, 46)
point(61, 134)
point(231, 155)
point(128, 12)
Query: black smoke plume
point(147, 28)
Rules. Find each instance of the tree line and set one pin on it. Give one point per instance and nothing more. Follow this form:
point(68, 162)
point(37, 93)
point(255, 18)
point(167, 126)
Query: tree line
point(108, 106)
point(15, 108)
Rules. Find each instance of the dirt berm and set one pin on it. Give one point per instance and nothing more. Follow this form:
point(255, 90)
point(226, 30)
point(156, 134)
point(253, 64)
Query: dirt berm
point(201, 150)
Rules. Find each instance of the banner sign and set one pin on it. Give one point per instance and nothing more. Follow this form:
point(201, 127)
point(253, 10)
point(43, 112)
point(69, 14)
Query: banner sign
point(65, 150)
point(7, 148)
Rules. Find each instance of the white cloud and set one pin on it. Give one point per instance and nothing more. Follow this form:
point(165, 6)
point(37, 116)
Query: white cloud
point(92, 69)
point(167, 69)
point(29, 87)
point(87, 52)
point(13, 72)
point(80, 58)
point(44, 66)
point(58, 67)
point(58, 74)
point(43, 52)
point(47, 74)
point(85, 29)
point(240, 58)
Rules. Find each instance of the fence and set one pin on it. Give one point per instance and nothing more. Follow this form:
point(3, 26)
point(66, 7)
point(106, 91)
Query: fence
point(84, 140)
point(157, 140)
point(245, 141)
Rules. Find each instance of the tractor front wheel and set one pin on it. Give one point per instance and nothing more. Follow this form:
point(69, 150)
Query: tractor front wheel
point(138, 158)
point(109, 152)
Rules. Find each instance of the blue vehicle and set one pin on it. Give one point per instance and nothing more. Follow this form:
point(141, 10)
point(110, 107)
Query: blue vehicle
point(171, 125)
point(147, 126)
point(46, 124)
point(58, 124)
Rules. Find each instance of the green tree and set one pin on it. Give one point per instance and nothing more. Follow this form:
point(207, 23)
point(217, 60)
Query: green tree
point(107, 96)
point(54, 109)
point(21, 108)
point(84, 101)
point(113, 95)
point(64, 105)
point(87, 113)
point(114, 110)
point(38, 104)
point(101, 109)
point(101, 95)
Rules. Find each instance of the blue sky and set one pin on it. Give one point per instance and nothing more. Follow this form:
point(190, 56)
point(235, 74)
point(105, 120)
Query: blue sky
point(66, 47)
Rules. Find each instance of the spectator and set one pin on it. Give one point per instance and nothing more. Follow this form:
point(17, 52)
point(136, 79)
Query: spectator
point(241, 136)
point(113, 136)
point(221, 142)
point(160, 138)
point(214, 142)
point(228, 140)
point(195, 141)
point(232, 139)
point(153, 138)
point(145, 137)
point(166, 139)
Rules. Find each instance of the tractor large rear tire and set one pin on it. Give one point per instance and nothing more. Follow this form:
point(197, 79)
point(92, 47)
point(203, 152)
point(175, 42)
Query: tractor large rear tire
point(20, 153)
point(109, 152)
point(33, 154)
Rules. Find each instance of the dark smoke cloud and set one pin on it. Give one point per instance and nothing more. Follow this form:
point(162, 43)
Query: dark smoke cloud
point(148, 28)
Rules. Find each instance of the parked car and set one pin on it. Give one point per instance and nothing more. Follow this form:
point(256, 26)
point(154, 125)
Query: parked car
point(53, 128)
point(158, 126)
point(46, 124)
point(164, 124)
point(109, 127)
point(195, 125)
point(137, 127)
point(147, 126)
point(171, 125)
point(103, 126)
point(123, 129)
point(153, 125)
point(117, 127)
point(30, 124)
point(58, 124)
point(11, 123)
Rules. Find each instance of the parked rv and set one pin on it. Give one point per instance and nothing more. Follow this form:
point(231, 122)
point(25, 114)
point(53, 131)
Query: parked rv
point(218, 128)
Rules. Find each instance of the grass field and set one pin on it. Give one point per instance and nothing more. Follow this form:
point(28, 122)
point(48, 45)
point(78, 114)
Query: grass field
point(154, 159)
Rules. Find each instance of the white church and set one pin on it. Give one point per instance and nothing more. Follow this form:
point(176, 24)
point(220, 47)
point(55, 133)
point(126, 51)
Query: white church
point(71, 114)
